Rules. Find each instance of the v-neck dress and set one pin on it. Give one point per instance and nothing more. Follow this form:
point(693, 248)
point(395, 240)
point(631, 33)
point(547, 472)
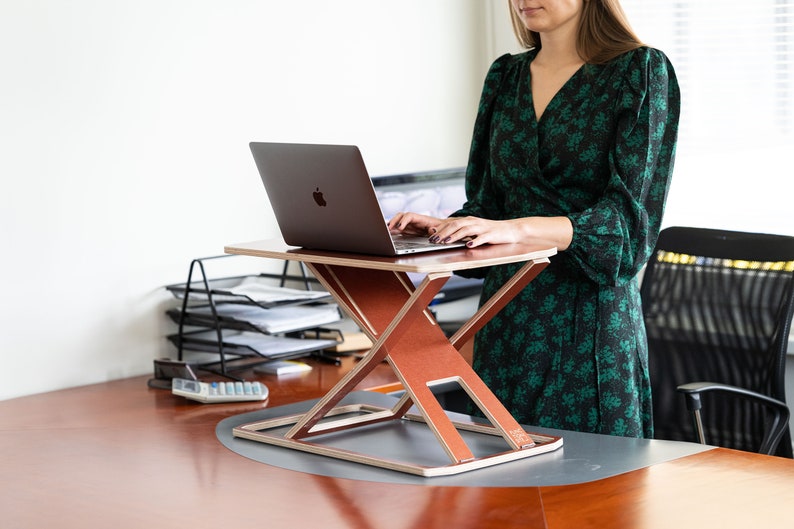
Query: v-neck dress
point(570, 351)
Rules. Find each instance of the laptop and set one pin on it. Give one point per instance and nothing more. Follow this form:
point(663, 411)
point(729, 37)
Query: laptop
point(323, 199)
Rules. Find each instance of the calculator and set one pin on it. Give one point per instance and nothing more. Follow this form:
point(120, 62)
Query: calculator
point(216, 392)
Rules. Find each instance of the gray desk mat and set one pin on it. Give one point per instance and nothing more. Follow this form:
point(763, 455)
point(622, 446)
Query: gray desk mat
point(583, 456)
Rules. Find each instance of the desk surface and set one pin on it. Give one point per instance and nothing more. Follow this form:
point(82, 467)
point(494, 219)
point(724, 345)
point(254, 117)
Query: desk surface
point(122, 455)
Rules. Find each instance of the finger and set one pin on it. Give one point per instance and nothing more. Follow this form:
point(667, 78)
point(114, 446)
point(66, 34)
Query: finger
point(397, 221)
point(456, 231)
point(475, 241)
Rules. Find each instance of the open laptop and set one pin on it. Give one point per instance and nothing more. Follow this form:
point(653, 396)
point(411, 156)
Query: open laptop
point(323, 198)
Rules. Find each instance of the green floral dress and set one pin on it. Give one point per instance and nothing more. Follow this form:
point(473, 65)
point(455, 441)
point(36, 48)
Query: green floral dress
point(570, 350)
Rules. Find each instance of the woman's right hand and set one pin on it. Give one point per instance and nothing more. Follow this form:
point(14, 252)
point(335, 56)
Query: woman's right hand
point(414, 224)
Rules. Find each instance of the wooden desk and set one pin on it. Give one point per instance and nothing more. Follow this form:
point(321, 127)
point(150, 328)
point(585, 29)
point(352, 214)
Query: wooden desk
point(123, 455)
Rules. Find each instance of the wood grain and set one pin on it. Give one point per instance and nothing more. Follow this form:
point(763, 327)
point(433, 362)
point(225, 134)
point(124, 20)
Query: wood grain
point(121, 455)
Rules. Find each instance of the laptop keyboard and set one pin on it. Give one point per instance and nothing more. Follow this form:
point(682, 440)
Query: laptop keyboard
point(407, 245)
point(419, 243)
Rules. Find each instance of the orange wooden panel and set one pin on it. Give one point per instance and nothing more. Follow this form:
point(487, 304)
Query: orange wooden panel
point(718, 488)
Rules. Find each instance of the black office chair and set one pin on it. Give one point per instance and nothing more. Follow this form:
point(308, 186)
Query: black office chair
point(718, 307)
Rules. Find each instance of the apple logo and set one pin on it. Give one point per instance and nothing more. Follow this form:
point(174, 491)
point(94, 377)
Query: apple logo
point(318, 197)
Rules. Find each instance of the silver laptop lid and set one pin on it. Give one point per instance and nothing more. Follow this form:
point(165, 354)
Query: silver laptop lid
point(323, 197)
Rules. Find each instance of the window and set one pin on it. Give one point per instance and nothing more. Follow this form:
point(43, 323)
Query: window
point(735, 66)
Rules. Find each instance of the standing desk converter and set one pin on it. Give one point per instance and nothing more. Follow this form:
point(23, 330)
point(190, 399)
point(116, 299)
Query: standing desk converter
point(378, 295)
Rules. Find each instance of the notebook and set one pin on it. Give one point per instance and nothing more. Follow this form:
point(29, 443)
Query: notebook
point(323, 199)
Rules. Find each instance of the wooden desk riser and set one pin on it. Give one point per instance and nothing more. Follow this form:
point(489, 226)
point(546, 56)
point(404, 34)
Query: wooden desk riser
point(378, 295)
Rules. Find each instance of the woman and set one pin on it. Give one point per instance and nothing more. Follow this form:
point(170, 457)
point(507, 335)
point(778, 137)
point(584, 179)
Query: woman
point(573, 147)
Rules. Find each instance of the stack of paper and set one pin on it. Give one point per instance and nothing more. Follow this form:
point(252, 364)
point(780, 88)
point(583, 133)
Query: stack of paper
point(276, 319)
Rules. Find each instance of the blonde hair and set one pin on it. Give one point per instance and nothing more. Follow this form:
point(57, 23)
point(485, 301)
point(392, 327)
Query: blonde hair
point(604, 32)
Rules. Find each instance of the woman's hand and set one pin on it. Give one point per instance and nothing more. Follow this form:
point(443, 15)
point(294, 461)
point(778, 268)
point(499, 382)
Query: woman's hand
point(553, 231)
point(477, 231)
point(414, 224)
point(443, 231)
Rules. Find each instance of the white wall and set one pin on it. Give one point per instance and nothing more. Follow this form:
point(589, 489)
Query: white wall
point(123, 137)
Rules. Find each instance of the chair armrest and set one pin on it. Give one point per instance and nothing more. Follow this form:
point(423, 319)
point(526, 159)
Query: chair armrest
point(779, 409)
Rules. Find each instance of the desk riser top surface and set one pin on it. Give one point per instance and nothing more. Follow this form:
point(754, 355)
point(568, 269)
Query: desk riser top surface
point(428, 262)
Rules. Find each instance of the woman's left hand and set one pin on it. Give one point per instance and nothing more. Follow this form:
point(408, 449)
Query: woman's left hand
point(477, 231)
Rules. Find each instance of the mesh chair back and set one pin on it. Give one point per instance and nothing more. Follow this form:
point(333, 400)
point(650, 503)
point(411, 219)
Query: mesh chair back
point(718, 307)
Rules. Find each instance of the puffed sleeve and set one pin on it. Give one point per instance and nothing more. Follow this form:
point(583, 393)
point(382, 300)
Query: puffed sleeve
point(479, 193)
point(613, 239)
